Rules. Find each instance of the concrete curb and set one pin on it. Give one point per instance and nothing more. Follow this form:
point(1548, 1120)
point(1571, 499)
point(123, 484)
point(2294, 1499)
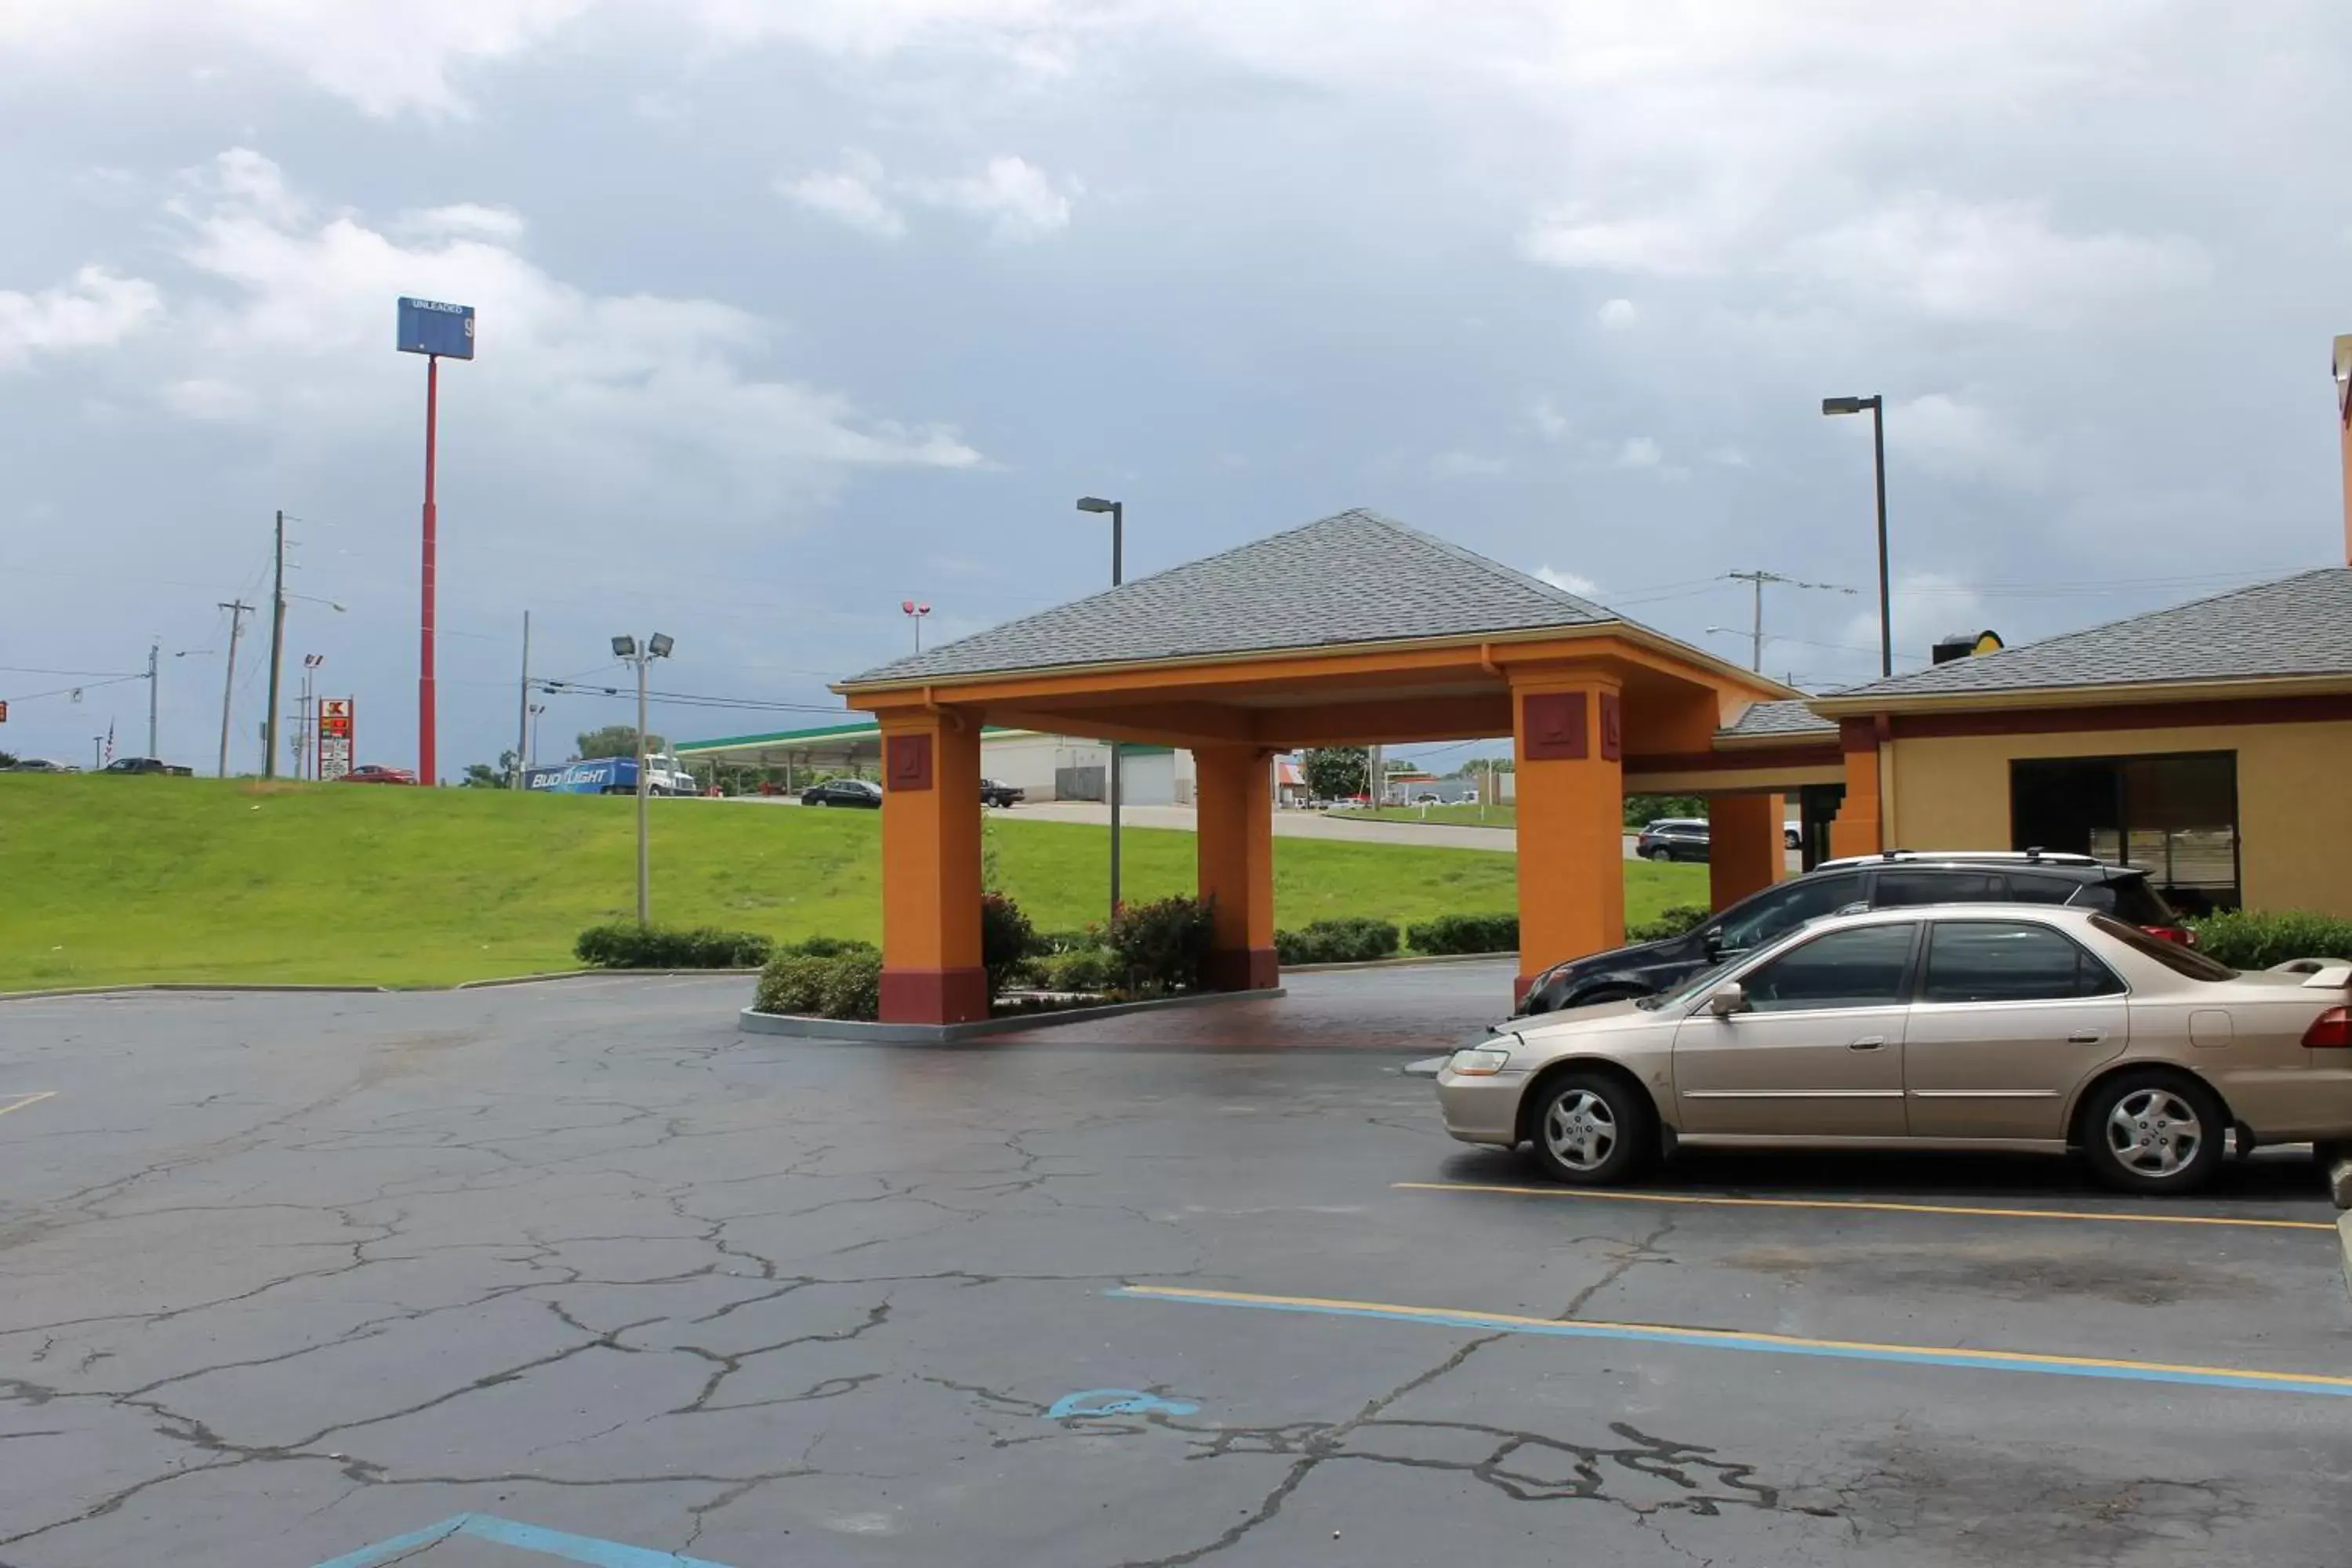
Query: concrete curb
point(2344, 1241)
point(855, 1032)
point(245, 989)
point(1397, 963)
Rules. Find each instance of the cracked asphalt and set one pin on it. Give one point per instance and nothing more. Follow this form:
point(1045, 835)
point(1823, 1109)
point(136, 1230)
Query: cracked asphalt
point(283, 1275)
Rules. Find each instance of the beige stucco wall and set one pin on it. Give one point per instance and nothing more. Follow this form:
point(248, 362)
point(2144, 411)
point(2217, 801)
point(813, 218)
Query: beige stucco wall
point(2295, 798)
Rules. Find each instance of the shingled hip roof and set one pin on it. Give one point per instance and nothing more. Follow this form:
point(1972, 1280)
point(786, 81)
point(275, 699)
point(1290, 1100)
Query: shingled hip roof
point(1356, 577)
point(2290, 626)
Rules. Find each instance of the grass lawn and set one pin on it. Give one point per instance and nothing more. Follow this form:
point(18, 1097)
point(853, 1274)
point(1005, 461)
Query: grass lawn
point(119, 880)
point(1497, 816)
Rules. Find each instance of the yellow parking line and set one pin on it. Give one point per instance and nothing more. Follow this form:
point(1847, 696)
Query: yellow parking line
point(1955, 1356)
point(1712, 1200)
point(23, 1100)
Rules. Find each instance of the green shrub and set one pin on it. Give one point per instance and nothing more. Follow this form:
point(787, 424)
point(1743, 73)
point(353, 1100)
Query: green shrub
point(1006, 938)
point(1078, 969)
point(2257, 939)
point(827, 946)
point(1355, 939)
point(1672, 922)
point(1044, 942)
point(1160, 944)
point(624, 944)
point(1465, 933)
point(844, 986)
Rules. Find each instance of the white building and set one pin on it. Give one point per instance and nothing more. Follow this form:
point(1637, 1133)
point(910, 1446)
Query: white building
point(1042, 766)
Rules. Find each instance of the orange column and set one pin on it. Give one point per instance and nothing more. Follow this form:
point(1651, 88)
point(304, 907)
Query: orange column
point(931, 972)
point(1856, 829)
point(1236, 849)
point(1569, 783)
point(1745, 851)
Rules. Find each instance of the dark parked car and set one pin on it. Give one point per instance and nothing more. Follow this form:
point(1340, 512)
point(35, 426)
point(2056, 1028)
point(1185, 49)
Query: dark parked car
point(1674, 839)
point(1876, 882)
point(992, 793)
point(378, 773)
point(843, 791)
point(146, 766)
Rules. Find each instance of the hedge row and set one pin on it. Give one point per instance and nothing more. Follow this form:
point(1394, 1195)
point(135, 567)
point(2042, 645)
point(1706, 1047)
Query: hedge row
point(843, 985)
point(1352, 941)
point(1672, 922)
point(1465, 933)
point(2256, 939)
point(624, 944)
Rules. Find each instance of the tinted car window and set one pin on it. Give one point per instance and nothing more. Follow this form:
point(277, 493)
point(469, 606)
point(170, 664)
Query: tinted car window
point(1897, 890)
point(1864, 967)
point(2135, 901)
point(2009, 960)
point(2180, 960)
point(2028, 889)
point(1767, 915)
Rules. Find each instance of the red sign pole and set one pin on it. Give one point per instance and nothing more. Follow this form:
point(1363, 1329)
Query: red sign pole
point(426, 773)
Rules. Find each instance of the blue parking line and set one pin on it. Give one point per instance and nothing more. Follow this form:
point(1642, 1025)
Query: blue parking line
point(1769, 1344)
point(585, 1550)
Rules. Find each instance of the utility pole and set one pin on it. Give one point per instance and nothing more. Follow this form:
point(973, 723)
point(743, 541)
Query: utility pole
point(276, 653)
point(1757, 579)
point(522, 720)
point(155, 652)
point(237, 610)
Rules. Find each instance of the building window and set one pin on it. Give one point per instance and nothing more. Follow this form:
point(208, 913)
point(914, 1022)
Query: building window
point(2174, 817)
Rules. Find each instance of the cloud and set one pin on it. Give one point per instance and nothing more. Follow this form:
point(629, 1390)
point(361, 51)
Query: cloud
point(1550, 422)
point(1922, 608)
point(1957, 438)
point(1617, 315)
point(470, 219)
point(1020, 201)
point(1462, 465)
point(852, 195)
point(1583, 587)
point(602, 389)
point(97, 310)
point(1577, 238)
point(1996, 261)
point(1638, 452)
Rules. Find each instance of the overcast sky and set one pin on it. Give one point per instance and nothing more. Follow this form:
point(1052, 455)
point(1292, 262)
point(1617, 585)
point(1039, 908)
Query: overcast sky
point(790, 311)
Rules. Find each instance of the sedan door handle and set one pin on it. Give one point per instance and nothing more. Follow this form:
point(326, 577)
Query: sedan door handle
point(1867, 1043)
point(2086, 1036)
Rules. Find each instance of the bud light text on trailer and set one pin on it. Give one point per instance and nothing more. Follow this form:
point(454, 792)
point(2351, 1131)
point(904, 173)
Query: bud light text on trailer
point(438, 332)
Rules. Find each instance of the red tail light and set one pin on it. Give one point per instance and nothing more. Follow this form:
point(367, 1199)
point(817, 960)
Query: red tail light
point(2332, 1030)
point(2181, 934)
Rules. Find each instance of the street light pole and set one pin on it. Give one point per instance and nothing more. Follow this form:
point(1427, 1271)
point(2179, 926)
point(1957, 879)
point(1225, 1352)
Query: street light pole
point(1117, 510)
point(1878, 406)
point(627, 647)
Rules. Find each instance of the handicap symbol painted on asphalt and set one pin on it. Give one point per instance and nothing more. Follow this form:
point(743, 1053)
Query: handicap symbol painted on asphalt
point(1117, 1402)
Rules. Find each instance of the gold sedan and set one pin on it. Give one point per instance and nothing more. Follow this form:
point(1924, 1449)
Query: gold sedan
point(1964, 1026)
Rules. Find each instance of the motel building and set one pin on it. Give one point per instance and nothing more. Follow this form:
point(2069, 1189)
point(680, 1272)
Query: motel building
point(2210, 742)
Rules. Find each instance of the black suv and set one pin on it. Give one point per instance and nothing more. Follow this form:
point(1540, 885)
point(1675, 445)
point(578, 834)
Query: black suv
point(1865, 882)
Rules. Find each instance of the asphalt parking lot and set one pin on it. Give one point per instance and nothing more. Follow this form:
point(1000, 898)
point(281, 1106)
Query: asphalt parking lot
point(578, 1273)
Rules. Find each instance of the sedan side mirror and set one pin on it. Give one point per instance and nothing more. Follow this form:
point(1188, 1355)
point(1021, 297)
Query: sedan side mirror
point(1725, 1000)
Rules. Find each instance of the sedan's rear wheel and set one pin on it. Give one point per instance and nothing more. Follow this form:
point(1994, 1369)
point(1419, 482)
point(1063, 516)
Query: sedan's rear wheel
point(1592, 1129)
point(2154, 1132)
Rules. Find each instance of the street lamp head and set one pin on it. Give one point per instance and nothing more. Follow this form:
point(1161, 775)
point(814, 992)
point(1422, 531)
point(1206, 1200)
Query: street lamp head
point(660, 644)
point(624, 648)
point(1097, 504)
point(1847, 404)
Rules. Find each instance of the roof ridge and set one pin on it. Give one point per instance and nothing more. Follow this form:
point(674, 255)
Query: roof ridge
point(1898, 682)
point(1464, 552)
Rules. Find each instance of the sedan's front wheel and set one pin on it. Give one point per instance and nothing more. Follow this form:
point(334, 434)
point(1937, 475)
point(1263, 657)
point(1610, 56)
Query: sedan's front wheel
point(1592, 1129)
point(2154, 1132)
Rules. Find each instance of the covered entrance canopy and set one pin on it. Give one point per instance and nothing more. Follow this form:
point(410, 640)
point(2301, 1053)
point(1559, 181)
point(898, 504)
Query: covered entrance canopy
point(1351, 630)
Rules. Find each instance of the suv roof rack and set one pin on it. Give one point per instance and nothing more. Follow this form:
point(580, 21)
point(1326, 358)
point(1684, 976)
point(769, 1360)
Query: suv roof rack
point(2003, 857)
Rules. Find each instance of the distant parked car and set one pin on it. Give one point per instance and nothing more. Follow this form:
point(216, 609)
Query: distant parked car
point(844, 791)
point(1674, 839)
point(377, 773)
point(993, 792)
point(38, 765)
point(1428, 800)
point(1792, 835)
point(146, 766)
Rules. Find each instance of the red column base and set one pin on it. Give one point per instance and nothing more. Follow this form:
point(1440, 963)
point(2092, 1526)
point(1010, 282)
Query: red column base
point(1241, 969)
point(934, 995)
